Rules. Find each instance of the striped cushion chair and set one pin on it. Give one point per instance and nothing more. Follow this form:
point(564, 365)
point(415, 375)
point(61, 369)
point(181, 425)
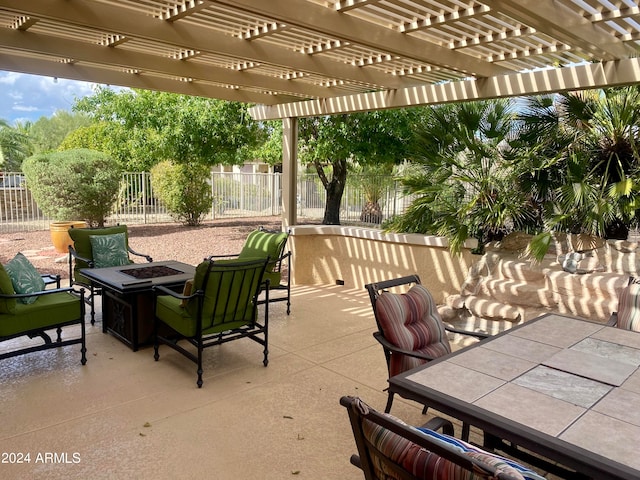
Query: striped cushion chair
point(628, 316)
point(389, 449)
point(410, 329)
point(410, 321)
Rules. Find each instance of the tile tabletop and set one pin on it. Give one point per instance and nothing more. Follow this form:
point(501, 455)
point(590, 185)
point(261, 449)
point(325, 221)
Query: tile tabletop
point(570, 379)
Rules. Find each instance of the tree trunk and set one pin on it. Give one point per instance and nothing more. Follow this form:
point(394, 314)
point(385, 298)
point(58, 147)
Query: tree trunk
point(334, 189)
point(371, 213)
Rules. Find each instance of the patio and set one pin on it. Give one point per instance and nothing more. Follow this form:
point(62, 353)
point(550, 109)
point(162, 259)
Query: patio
point(127, 416)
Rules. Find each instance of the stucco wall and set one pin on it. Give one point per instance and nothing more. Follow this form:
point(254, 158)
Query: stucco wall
point(325, 254)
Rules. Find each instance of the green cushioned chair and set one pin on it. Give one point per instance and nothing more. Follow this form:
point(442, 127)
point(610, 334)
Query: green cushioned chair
point(262, 243)
point(222, 306)
point(52, 310)
point(81, 255)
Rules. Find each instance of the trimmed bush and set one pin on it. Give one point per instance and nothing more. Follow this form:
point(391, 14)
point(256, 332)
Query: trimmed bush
point(184, 190)
point(78, 184)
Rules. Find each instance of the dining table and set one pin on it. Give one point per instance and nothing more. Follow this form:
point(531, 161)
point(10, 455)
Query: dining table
point(558, 389)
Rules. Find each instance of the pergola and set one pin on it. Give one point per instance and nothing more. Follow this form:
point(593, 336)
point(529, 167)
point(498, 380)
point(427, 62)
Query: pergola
point(299, 58)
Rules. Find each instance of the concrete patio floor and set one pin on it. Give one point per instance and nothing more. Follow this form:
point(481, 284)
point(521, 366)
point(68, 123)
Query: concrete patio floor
point(123, 415)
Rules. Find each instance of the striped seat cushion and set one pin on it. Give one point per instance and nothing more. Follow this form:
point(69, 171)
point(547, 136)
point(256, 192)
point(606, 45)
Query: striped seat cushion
point(425, 464)
point(411, 321)
point(629, 308)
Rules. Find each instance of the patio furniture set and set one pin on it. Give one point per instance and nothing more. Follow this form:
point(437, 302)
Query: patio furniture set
point(553, 392)
point(556, 392)
point(165, 302)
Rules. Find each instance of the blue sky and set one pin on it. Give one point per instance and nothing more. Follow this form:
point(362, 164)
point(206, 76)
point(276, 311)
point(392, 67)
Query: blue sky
point(28, 97)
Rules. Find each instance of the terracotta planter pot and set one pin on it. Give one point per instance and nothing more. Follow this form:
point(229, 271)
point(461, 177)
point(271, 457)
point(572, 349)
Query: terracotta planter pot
point(60, 234)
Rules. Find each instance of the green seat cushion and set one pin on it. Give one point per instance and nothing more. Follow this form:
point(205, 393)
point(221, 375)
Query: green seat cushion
point(109, 250)
point(7, 305)
point(50, 309)
point(260, 244)
point(82, 245)
point(25, 278)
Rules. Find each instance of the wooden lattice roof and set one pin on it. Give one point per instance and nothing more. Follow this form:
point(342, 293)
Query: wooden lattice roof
point(308, 57)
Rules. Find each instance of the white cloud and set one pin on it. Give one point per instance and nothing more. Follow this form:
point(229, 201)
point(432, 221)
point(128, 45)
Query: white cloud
point(26, 97)
point(22, 108)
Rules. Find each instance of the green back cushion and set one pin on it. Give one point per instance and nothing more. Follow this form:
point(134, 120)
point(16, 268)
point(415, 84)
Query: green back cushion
point(7, 305)
point(109, 250)
point(25, 278)
point(82, 241)
point(260, 244)
point(227, 301)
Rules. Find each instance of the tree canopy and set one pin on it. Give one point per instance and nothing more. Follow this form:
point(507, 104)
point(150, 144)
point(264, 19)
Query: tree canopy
point(158, 126)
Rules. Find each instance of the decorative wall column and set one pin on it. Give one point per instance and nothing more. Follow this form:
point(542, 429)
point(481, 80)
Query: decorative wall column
point(289, 172)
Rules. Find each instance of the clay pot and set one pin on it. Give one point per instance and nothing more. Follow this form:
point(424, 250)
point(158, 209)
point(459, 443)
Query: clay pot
point(60, 234)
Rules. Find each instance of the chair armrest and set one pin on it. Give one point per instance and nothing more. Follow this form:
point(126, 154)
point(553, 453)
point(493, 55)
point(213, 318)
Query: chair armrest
point(439, 423)
point(613, 320)
point(133, 252)
point(74, 255)
point(229, 255)
point(480, 335)
point(391, 347)
point(41, 293)
point(159, 290)
point(50, 279)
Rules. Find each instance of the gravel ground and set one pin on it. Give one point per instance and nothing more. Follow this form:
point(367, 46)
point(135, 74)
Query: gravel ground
point(166, 241)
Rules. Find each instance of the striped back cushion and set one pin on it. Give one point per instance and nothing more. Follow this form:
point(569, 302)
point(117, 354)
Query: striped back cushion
point(504, 467)
point(412, 322)
point(629, 308)
point(425, 464)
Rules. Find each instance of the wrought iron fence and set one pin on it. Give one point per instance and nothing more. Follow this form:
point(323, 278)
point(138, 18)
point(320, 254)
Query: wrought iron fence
point(234, 195)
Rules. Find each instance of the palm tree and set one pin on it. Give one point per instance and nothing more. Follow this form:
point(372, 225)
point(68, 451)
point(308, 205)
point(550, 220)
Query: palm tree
point(14, 147)
point(465, 174)
point(588, 141)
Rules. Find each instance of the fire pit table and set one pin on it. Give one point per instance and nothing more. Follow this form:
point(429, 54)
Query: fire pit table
point(127, 298)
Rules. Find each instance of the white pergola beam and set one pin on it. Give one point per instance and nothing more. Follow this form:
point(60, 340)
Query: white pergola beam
point(85, 52)
point(87, 73)
point(104, 17)
point(352, 29)
point(588, 76)
point(549, 17)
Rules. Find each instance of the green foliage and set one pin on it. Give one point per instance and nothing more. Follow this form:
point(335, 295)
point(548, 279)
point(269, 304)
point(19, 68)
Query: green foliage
point(77, 184)
point(331, 144)
point(47, 133)
point(14, 147)
point(131, 152)
point(184, 189)
point(565, 163)
point(159, 125)
point(269, 148)
point(465, 174)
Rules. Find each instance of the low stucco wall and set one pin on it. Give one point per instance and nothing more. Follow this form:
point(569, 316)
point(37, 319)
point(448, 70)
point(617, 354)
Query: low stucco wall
point(326, 254)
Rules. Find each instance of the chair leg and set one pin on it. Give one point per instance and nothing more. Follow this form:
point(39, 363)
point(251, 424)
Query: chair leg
point(199, 382)
point(92, 304)
point(83, 346)
point(288, 300)
point(156, 341)
point(465, 432)
point(387, 409)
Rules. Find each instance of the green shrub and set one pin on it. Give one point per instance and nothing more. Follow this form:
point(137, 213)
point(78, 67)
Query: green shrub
point(78, 184)
point(184, 190)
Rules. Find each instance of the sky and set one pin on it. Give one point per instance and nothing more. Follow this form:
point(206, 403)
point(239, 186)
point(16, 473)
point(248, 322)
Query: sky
point(28, 97)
